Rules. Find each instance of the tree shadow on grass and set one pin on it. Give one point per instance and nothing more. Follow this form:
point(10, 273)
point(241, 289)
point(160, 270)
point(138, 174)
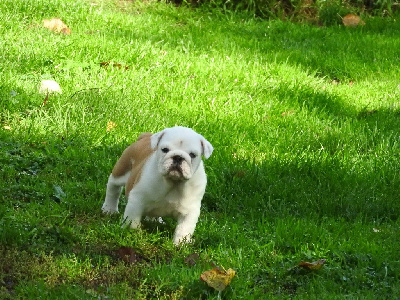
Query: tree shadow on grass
point(334, 53)
point(316, 187)
point(326, 179)
point(301, 189)
point(348, 178)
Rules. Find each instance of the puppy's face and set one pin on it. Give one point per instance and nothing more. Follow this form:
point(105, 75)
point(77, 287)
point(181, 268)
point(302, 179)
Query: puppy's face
point(179, 151)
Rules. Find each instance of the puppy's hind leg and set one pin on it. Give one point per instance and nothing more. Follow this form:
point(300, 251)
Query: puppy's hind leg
point(114, 188)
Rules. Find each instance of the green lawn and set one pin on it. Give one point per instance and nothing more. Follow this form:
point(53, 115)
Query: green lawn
point(304, 120)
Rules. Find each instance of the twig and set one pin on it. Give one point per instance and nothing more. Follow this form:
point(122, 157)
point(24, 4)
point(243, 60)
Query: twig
point(45, 99)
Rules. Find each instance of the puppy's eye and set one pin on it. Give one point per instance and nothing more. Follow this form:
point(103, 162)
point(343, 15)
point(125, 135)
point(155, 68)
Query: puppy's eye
point(192, 155)
point(165, 150)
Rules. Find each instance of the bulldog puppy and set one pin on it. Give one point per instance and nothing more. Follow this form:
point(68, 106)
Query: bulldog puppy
point(163, 175)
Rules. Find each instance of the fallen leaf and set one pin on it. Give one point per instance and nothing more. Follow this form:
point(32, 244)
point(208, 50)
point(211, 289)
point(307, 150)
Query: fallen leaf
point(316, 265)
point(105, 64)
point(57, 26)
point(92, 293)
point(288, 113)
point(371, 112)
point(92, 31)
point(110, 126)
point(58, 194)
point(192, 259)
point(366, 113)
point(218, 279)
point(49, 86)
point(351, 20)
point(129, 255)
point(239, 173)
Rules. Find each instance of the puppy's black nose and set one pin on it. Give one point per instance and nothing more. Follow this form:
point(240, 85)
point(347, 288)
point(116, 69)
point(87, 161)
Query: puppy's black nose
point(177, 159)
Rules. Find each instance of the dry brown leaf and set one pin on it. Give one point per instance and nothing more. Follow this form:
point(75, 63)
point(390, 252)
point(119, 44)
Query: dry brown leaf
point(129, 255)
point(192, 259)
point(316, 265)
point(105, 64)
point(57, 26)
point(239, 173)
point(351, 20)
point(218, 279)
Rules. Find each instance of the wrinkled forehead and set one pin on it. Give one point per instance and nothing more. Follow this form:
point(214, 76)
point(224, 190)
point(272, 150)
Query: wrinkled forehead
point(181, 139)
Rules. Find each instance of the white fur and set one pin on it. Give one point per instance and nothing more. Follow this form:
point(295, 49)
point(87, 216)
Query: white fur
point(114, 189)
point(162, 190)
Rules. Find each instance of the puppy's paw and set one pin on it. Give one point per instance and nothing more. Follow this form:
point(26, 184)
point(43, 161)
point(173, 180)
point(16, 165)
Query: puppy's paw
point(131, 224)
point(179, 241)
point(109, 210)
point(157, 220)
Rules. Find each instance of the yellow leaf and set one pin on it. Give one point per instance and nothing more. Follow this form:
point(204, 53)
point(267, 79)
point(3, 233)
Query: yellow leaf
point(288, 113)
point(57, 26)
point(351, 20)
point(218, 279)
point(316, 265)
point(110, 126)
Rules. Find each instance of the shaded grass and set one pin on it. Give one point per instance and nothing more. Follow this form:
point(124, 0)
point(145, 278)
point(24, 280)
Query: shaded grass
point(304, 121)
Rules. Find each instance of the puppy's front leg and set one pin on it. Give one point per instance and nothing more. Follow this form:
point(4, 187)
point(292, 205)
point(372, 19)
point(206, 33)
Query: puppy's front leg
point(134, 210)
point(185, 228)
point(114, 188)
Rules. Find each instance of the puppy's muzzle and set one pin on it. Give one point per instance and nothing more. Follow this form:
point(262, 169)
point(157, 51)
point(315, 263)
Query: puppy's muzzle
point(177, 168)
point(177, 160)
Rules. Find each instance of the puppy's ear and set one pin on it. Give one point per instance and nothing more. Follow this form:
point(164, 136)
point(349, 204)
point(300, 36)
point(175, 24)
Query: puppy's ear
point(206, 147)
point(156, 138)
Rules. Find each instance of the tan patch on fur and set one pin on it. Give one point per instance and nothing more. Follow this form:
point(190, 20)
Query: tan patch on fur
point(133, 159)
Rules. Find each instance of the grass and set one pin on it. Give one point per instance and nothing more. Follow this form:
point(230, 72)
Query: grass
point(305, 125)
